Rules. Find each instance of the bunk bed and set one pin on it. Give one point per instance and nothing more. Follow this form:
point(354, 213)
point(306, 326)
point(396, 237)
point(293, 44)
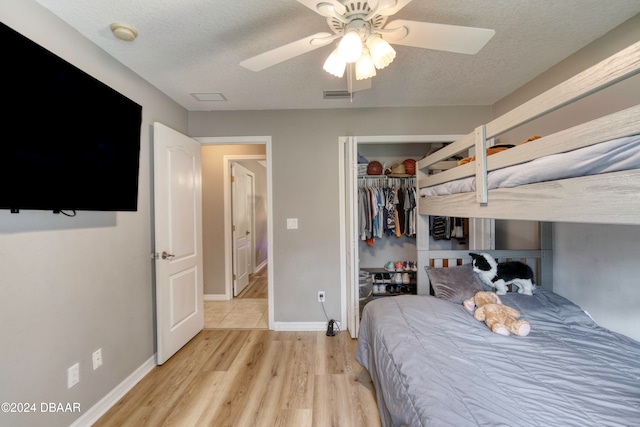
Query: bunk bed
point(608, 197)
point(432, 363)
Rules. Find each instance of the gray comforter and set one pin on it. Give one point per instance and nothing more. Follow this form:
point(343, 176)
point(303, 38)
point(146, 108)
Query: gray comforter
point(433, 364)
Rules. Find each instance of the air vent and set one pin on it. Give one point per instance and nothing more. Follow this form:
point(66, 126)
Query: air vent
point(337, 94)
point(209, 96)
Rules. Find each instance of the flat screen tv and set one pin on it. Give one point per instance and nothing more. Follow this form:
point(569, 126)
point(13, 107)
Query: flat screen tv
point(68, 141)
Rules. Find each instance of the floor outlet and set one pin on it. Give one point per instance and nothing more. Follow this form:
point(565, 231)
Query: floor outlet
point(73, 375)
point(97, 359)
point(320, 296)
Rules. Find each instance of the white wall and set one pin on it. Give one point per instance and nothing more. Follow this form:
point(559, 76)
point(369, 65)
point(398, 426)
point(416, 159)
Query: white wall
point(594, 265)
point(72, 285)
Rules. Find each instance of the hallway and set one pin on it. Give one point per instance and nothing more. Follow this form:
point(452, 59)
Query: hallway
point(247, 311)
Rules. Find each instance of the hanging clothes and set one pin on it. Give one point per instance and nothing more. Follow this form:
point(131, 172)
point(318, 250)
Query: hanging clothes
point(386, 207)
point(445, 227)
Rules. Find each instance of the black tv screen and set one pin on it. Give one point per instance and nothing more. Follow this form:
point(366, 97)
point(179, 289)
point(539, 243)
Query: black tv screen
point(69, 142)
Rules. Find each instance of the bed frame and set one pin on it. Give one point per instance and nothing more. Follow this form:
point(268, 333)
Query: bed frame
point(540, 261)
point(607, 198)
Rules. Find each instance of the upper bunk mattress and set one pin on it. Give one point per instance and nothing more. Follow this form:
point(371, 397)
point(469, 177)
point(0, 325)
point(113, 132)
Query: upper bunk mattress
point(609, 156)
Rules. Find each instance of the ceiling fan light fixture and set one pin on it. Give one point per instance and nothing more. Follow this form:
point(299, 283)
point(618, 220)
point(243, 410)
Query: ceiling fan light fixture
point(365, 69)
point(335, 65)
point(381, 52)
point(350, 47)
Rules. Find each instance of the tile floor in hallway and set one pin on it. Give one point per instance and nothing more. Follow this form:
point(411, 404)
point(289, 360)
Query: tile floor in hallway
point(247, 311)
point(238, 313)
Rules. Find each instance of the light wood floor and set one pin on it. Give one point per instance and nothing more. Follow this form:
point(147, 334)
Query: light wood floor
point(257, 287)
point(253, 377)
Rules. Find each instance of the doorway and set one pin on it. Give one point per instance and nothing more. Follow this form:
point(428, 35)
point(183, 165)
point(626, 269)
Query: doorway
point(350, 256)
point(219, 233)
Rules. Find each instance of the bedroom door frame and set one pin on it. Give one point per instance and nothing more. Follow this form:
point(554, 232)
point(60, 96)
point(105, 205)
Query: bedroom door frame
point(349, 259)
point(247, 140)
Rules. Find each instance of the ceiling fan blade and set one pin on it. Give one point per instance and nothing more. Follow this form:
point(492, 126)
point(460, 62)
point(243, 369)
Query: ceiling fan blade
point(391, 7)
point(288, 51)
point(450, 38)
point(324, 7)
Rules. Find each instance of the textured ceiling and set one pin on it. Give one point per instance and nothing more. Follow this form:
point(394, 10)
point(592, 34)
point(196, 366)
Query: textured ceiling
point(187, 46)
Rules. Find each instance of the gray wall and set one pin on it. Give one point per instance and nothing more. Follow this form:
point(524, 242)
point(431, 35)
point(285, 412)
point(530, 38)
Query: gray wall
point(305, 186)
point(594, 265)
point(72, 285)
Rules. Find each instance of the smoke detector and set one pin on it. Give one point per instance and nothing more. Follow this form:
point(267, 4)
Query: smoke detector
point(123, 31)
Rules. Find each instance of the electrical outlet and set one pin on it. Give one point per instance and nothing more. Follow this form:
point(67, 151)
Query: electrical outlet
point(320, 296)
point(97, 358)
point(73, 375)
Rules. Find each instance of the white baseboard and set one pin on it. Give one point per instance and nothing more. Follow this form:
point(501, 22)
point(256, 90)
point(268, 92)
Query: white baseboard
point(99, 409)
point(301, 326)
point(262, 265)
point(215, 297)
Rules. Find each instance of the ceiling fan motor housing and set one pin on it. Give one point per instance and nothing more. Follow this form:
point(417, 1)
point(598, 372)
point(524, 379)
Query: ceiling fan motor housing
point(356, 11)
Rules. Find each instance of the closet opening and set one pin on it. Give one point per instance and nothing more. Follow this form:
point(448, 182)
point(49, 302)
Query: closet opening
point(358, 256)
point(387, 216)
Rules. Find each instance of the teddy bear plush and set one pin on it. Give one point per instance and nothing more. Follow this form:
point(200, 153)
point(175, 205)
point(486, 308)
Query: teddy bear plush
point(500, 318)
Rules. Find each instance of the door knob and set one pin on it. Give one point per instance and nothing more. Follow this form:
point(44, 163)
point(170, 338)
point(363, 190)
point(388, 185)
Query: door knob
point(166, 255)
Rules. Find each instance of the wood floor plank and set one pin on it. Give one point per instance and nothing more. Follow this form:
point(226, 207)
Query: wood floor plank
point(230, 345)
point(330, 356)
point(257, 287)
point(176, 371)
point(263, 399)
point(182, 368)
point(241, 376)
point(297, 392)
point(363, 395)
point(332, 406)
point(294, 418)
point(140, 416)
point(194, 406)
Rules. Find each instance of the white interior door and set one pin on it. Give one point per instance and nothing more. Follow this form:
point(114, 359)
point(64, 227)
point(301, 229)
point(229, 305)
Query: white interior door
point(242, 233)
point(178, 240)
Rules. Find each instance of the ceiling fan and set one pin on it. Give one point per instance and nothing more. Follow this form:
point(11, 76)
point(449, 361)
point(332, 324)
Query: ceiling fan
point(366, 37)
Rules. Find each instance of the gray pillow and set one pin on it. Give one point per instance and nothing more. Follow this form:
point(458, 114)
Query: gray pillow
point(454, 284)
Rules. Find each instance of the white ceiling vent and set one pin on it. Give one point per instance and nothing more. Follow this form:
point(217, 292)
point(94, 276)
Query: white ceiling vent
point(209, 96)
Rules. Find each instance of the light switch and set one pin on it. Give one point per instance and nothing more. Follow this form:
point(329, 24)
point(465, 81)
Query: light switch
point(292, 223)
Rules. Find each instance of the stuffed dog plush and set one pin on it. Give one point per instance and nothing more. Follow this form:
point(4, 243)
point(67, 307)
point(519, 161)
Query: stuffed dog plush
point(499, 275)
